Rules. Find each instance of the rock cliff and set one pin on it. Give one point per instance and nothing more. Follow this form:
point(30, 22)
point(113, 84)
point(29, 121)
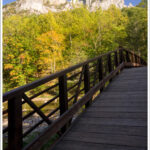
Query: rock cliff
point(43, 6)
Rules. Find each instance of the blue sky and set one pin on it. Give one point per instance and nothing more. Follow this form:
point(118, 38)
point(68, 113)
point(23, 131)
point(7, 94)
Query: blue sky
point(134, 2)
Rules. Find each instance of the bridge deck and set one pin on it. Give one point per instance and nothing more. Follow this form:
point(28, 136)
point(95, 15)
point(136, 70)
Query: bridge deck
point(117, 120)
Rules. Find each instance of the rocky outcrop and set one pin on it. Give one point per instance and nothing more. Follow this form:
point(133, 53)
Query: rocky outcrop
point(33, 6)
point(57, 2)
point(43, 6)
point(105, 4)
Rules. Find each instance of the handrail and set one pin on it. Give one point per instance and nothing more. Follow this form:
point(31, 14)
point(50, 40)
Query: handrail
point(136, 55)
point(105, 66)
point(69, 113)
point(27, 87)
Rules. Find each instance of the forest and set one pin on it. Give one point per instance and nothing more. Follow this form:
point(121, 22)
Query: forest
point(38, 45)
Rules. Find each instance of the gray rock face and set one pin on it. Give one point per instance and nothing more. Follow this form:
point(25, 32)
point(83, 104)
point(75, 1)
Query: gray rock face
point(118, 3)
point(43, 6)
point(32, 5)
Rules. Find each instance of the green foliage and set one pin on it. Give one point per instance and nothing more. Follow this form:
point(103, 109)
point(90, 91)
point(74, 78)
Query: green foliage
point(37, 45)
point(136, 30)
point(143, 4)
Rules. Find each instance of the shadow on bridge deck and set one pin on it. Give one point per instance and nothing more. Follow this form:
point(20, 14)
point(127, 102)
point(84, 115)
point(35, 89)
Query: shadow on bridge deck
point(117, 120)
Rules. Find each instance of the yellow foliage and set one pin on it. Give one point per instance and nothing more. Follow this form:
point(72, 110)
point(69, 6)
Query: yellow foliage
point(49, 47)
point(8, 66)
point(22, 56)
point(15, 78)
point(12, 73)
point(10, 56)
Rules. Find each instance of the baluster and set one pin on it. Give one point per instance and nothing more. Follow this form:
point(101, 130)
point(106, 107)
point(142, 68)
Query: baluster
point(116, 59)
point(109, 64)
point(15, 123)
point(127, 56)
point(63, 97)
point(121, 56)
point(139, 62)
point(87, 83)
point(135, 59)
point(100, 71)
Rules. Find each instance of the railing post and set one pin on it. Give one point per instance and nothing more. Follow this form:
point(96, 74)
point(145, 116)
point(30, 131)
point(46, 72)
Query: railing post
point(100, 70)
point(109, 64)
point(127, 56)
point(15, 123)
point(63, 97)
point(135, 59)
point(121, 56)
point(139, 60)
point(87, 83)
point(116, 59)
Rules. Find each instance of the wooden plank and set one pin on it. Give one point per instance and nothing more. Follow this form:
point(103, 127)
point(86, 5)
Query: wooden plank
point(118, 117)
point(140, 95)
point(115, 115)
point(40, 113)
point(54, 127)
point(116, 59)
point(116, 100)
point(43, 105)
point(133, 53)
point(120, 56)
point(118, 109)
point(127, 56)
point(96, 73)
point(87, 83)
point(109, 63)
point(100, 71)
point(125, 140)
point(68, 114)
point(43, 91)
point(119, 103)
point(63, 98)
point(77, 145)
point(113, 121)
point(125, 83)
point(109, 129)
point(79, 84)
point(46, 79)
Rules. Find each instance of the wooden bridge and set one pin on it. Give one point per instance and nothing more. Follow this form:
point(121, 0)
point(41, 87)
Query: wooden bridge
point(107, 108)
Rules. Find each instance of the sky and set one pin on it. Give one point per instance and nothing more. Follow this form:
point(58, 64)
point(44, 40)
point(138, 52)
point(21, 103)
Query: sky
point(134, 2)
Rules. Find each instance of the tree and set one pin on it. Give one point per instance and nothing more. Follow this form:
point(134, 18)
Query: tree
point(107, 32)
point(142, 4)
point(49, 49)
point(137, 30)
point(37, 45)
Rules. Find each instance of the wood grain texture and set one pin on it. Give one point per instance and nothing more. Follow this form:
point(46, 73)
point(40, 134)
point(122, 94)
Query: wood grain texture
point(117, 119)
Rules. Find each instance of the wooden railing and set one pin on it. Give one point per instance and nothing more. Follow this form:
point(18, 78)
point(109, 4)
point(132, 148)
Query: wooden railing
point(91, 76)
